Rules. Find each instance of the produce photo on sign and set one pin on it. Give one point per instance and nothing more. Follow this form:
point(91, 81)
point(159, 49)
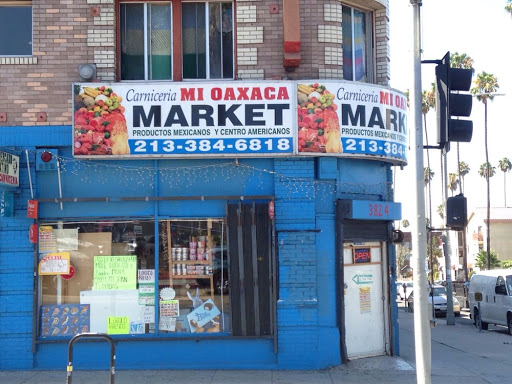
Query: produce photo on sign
point(318, 123)
point(99, 122)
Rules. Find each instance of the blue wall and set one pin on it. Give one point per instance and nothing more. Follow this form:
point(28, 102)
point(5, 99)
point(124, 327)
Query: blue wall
point(305, 190)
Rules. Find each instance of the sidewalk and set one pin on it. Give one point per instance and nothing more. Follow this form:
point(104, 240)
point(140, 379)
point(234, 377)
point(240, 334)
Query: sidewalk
point(382, 369)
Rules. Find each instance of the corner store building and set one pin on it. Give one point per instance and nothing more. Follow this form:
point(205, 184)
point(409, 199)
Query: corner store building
point(303, 319)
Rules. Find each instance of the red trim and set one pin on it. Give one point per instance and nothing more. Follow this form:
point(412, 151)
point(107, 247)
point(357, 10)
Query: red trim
point(292, 46)
point(177, 70)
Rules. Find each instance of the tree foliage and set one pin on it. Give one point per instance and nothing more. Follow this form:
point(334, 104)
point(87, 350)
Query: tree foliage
point(481, 260)
point(487, 170)
point(434, 253)
point(401, 252)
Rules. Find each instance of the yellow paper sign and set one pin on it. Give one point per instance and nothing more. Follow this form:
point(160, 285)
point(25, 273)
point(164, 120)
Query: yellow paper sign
point(115, 272)
point(56, 263)
point(118, 325)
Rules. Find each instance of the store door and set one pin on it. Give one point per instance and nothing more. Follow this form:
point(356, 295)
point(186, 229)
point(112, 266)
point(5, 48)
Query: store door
point(364, 299)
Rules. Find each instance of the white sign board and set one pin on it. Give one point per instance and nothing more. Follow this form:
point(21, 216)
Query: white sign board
point(9, 169)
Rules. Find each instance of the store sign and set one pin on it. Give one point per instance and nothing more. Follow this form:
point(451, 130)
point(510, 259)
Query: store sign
point(32, 206)
point(352, 119)
point(373, 210)
point(362, 255)
point(242, 119)
point(183, 119)
point(363, 278)
point(9, 169)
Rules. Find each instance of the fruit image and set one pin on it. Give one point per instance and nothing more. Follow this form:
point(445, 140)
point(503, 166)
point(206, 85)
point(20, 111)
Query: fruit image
point(99, 123)
point(319, 128)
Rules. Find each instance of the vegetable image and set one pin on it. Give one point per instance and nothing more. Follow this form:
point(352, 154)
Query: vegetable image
point(99, 123)
point(319, 128)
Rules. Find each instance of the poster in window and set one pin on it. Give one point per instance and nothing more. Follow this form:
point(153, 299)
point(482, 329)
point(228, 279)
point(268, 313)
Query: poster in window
point(362, 255)
point(56, 263)
point(64, 320)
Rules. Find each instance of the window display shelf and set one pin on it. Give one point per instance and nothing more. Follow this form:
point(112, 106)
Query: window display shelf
point(177, 277)
point(191, 262)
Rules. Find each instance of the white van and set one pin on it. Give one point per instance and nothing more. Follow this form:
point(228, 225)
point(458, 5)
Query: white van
point(493, 291)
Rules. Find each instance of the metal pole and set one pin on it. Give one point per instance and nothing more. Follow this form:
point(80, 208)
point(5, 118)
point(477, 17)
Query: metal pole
point(450, 318)
point(419, 226)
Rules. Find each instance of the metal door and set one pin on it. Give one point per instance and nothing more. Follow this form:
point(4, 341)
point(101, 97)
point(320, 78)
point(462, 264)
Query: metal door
point(364, 299)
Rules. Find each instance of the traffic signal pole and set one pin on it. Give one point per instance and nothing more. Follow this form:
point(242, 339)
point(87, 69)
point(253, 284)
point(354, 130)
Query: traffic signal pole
point(450, 318)
point(419, 225)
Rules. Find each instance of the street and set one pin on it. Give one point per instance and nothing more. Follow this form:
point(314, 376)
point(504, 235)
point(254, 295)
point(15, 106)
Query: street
point(461, 350)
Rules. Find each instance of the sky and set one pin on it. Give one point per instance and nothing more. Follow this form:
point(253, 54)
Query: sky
point(482, 30)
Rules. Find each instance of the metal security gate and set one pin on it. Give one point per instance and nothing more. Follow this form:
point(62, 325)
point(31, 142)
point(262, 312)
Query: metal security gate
point(252, 268)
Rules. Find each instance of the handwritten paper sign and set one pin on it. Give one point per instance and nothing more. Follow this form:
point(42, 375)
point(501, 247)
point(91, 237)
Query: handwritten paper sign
point(148, 316)
point(118, 325)
point(56, 263)
point(115, 272)
point(146, 276)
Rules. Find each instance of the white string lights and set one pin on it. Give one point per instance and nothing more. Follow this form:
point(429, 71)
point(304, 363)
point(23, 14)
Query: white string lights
point(219, 172)
point(179, 178)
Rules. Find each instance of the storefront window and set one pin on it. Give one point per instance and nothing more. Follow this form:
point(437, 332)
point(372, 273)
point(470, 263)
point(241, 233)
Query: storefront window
point(194, 277)
point(100, 277)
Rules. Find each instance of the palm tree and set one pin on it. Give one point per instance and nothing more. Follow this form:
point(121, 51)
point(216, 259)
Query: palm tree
point(487, 171)
point(440, 210)
point(461, 61)
point(508, 7)
point(465, 62)
point(453, 181)
point(485, 85)
point(428, 175)
point(463, 171)
point(505, 165)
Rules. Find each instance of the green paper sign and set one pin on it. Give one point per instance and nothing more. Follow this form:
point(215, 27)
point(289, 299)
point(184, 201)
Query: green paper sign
point(118, 325)
point(115, 272)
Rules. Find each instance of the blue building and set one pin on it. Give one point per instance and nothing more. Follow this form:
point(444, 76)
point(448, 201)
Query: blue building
point(234, 223)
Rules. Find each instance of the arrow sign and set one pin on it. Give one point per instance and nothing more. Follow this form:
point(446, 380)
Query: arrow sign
point(363, 278)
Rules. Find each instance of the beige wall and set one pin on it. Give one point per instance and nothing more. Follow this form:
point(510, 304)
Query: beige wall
point(501, 240)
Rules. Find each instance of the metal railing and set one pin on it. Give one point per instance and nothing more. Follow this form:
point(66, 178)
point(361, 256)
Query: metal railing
point(91, 336)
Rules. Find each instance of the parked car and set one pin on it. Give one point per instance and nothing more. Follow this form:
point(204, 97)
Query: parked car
point(438, 293)
point(490, 298)
point(400, 289)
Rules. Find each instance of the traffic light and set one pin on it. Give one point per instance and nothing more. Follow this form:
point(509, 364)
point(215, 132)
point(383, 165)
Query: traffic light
point(457, 212)
point(450, 104)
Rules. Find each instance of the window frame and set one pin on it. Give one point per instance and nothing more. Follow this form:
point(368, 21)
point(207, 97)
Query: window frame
point(21, 4)
point(176, 38)
point(207, 42)
point(369, 54)
point(147, 69)
point(149, 228)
